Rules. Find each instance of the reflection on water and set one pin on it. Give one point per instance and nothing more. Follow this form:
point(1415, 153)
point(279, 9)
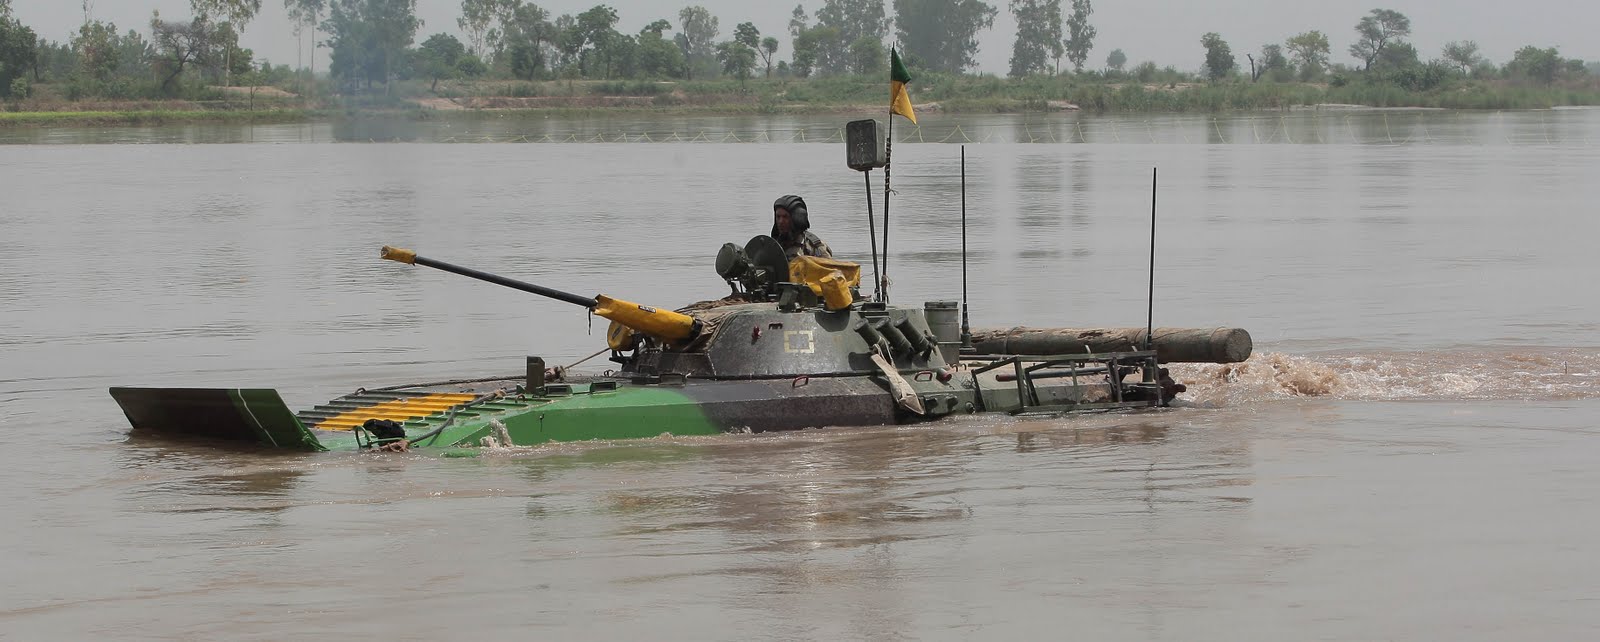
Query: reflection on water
point(1295, 127)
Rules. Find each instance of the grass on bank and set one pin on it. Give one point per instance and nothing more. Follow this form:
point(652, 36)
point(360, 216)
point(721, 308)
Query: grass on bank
point(839, 94)
point(154, 117)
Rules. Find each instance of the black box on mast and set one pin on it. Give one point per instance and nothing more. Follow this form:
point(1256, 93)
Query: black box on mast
point(865, 145)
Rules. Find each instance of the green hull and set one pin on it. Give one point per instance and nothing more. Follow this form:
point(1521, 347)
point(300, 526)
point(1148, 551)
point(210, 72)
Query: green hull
point(614, 410)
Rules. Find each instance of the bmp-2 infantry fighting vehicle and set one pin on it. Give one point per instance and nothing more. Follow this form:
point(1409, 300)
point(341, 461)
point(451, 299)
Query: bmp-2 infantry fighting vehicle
point(794, 346)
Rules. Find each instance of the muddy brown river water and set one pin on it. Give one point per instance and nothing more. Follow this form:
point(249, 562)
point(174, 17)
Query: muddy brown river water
point(1411, 454)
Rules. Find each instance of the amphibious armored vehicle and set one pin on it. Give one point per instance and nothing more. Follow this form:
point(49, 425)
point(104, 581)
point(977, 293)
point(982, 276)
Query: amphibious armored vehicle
point(794, 346)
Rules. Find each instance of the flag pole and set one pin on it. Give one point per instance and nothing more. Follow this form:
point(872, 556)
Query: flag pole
point(898, 77)
point(888, 155)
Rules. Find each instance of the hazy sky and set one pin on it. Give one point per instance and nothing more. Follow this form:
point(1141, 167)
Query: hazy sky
point(1166, 31)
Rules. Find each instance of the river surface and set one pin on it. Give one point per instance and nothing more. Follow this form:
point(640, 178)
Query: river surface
point(1411, 453)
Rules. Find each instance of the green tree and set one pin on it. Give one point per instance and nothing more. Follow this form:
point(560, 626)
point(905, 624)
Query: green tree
point(595, 37)
point(440, 58)
point(525, 60)
point(179, 45)
point(1116, 60)
point(352, 44)
point(1397, 56)
point(1219, 57)
point(134, 55)
point(867, 56)
point(19, 53)
point(697, 31)
point(805, 52)
point(395, 24)
point(477, 17)
point(798, 21)
point(368, 38)
point(238, 13)
point(1146, 71)
point(658, 57)
point(1080, 34)
point(471, 66)
point(567, 43)
point(855, 19)
point(746, 33)
point(228, 59)
point(515, 15)
point(1463, 54)
point(1533, 63)
point(1053, 32)
point(306, 15)
point(1272, 62)
point(1377, 31)
point(55, 61)
point(1036, 41)
point(941, 35)
point(526, 29)
point(821, 50)
point(769, 48)
point(1309, 51)
point(96, 46)
point(737, 59)
point(841, 24)
point(491, 25)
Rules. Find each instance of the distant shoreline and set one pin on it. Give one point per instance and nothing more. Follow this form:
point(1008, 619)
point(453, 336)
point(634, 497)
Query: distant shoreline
point(775, 98)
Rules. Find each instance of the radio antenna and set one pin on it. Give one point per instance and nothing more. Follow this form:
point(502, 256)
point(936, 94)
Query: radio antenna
point(1150, 305)
point(872, 232)
point(966, 323)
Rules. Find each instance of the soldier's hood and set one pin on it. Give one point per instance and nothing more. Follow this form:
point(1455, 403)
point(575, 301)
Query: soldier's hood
point(799, 222)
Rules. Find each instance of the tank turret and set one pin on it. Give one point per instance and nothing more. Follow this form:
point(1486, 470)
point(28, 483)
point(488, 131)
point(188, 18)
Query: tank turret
point(791, 319)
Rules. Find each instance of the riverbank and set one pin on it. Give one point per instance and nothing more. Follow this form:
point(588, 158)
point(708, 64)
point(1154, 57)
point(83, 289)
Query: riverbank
point(843, 96)
point(94, 118)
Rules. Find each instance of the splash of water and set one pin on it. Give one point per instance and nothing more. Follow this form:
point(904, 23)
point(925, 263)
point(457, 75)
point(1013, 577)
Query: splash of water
point(1539, 374)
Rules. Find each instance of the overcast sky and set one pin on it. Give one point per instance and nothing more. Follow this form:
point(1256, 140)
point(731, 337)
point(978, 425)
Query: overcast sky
point(1166, 31)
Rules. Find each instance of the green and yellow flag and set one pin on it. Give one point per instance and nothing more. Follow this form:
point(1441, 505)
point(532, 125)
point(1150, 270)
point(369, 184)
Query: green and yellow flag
point(899, 100)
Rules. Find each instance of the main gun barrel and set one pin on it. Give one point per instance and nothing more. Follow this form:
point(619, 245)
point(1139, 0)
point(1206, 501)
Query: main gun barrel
point(410, 257)
point(662, 324)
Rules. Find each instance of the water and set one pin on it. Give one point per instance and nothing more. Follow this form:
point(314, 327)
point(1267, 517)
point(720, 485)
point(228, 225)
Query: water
point(1409, 455)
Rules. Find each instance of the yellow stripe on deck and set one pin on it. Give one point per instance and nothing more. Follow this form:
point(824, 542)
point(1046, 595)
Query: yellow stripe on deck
point(397, 410)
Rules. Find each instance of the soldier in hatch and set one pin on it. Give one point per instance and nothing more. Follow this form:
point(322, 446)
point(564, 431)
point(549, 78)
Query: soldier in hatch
point(792, 229)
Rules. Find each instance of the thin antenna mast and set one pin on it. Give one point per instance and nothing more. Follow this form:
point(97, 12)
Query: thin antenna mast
point(872, 231)
point(1150, 305)
point(966, 323)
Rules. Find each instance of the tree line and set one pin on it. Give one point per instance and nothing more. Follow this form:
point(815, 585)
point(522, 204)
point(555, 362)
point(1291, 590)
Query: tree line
point(1382, 53)
point(371, 43)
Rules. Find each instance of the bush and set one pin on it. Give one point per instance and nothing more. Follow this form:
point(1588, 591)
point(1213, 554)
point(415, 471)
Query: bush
point(628, 88)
